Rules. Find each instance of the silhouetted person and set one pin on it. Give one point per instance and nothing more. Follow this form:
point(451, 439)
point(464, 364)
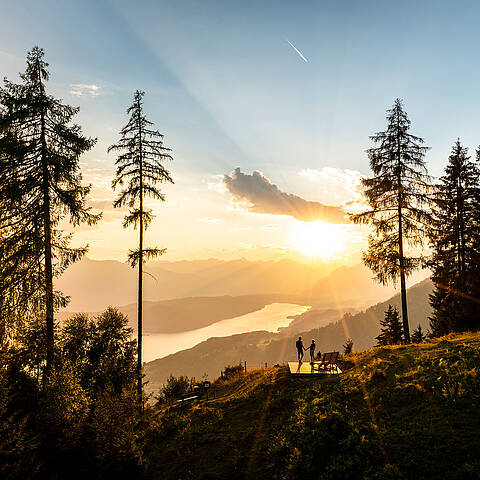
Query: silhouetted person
point(300, 348)
point(312, 351)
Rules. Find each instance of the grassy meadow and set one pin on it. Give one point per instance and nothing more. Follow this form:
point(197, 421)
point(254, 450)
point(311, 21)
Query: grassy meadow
point(396, 412)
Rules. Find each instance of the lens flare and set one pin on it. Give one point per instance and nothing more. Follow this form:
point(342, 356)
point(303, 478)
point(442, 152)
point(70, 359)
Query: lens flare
point(320, 239)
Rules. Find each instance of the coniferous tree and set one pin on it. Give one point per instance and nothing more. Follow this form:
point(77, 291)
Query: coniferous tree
point(140, 169)
point(40, 184)
point(417, 335)
point(473, 274)
point(456, 249)
point(398, 202)
point(391, 331)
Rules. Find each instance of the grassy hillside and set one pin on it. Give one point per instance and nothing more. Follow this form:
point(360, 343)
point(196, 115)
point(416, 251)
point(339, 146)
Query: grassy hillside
point(405, 412)
point(259, 347)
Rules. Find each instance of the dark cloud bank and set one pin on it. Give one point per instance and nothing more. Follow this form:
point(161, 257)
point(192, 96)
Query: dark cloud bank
point(265, 197)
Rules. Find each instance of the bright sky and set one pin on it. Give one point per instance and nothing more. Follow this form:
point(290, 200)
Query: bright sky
point(290, 89)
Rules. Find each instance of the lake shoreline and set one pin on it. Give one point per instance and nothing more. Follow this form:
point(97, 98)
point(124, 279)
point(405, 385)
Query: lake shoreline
point(272, 318)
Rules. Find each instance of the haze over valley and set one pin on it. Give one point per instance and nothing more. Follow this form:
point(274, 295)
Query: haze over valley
point(188, 302)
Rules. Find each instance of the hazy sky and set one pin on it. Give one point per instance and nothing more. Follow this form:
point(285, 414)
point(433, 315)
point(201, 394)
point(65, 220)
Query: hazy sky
point(289, 89)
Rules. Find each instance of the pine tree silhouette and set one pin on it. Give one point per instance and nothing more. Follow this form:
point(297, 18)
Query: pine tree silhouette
point(455, 240)
point(417, 335)
point(391, 331)
point(398, 201)
point(140, 170)
point(40, 185)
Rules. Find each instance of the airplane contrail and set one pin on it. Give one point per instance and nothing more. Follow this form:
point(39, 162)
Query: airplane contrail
point(297, 50)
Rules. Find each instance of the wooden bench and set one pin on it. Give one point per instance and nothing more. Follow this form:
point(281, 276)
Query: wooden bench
point(328, 362)
point(194, 394)
point(187, 397)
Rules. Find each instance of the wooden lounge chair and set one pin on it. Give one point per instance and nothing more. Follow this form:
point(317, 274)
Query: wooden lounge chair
point(328, 362)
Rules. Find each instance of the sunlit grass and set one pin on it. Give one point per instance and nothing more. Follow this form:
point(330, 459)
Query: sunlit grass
point(396, 412)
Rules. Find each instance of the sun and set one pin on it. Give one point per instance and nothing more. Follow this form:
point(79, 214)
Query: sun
point(319, 240)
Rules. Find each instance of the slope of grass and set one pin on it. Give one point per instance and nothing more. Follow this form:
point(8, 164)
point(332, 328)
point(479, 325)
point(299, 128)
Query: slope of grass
point(398, 412)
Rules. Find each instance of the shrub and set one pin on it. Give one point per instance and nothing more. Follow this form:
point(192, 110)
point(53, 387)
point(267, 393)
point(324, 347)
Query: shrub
point(348, 347)
point(231, 371)
point(174, 388)
point(18, 445)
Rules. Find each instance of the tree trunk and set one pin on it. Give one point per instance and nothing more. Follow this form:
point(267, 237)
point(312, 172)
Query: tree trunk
point(403, 287)
point(47, 241)
point(461, 236)
point(140, 278)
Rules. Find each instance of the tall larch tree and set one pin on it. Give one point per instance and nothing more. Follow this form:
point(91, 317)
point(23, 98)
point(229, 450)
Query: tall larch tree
point(455, 242)
point(40, 185)
point(139, 171)
point(398, 200)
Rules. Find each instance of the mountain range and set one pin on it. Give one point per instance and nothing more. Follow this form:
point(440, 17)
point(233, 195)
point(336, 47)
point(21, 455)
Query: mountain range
point(94, 285)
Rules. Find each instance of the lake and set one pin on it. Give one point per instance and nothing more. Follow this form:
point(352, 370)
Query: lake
point(270, 318)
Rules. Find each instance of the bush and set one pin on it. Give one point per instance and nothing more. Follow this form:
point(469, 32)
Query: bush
point(231, 371)
point(83, 420)
point(18, 444)
point(174, 388)
point(454, 375)
point(116, 435)
point(348, 347)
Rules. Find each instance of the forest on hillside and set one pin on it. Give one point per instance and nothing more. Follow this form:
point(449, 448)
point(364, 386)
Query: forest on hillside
point(72, 396)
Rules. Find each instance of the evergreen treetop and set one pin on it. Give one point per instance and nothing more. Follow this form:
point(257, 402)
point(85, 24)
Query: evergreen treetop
point(398, 190)
point(417, 335)
point(391, 331)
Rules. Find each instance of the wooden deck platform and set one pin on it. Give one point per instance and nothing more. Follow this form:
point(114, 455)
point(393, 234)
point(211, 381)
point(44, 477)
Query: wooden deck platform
point(306, 368)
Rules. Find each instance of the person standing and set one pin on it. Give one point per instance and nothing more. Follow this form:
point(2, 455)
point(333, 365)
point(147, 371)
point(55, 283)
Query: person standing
point(300, 348)
point(312, 351)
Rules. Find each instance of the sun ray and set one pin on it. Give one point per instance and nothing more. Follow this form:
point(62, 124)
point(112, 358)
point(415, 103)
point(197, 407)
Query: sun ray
point(319, 240)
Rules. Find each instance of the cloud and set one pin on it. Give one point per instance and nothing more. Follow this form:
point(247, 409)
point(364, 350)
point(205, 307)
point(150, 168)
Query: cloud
point(80, 89)
point(259, 195)
point(345, 186)
point(217, 185)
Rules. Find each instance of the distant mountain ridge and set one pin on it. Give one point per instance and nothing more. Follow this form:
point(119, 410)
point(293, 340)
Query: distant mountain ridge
point(95, 284)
